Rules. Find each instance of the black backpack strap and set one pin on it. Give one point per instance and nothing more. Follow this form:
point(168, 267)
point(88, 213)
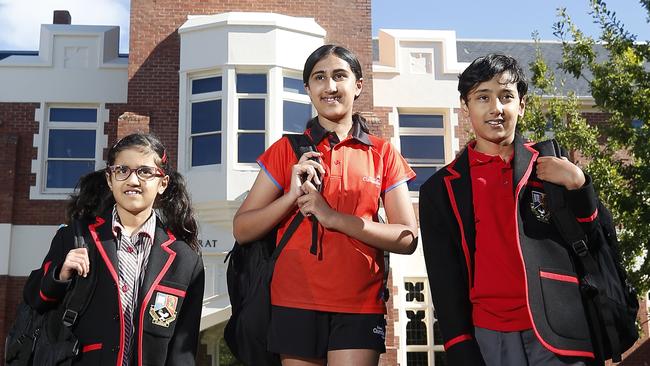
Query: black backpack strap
point(79, 296)
point(301, 143)
point(573, 234)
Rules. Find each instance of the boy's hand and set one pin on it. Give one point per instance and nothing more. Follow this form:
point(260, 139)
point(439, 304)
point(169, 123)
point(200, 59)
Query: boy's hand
point(560, 171)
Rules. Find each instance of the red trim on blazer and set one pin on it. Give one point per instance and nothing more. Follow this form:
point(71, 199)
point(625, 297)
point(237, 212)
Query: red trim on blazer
point(562, 352)
point(93, 232)
point(91, 347)
point(46, 267)
point(588, 219)
point(535, 184)
point(170, 290)
point(461, 338)
point(558, 277)
point(172, 255)
point(454, 206)
point(45, 298)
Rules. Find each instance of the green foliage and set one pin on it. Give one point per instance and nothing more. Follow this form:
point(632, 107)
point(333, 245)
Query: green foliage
point(616, 153)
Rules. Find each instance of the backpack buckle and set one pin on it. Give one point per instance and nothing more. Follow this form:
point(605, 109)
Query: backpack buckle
point(580, 248)
point(69, 317)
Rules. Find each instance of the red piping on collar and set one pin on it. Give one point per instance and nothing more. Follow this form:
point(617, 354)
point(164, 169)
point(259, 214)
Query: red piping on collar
point(454, 206)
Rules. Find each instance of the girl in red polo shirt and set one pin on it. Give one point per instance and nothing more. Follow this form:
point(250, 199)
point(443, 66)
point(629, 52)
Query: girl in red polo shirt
point(327, 301)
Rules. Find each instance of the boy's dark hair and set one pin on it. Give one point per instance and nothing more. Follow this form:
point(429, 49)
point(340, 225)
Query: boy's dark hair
point(345, 55)
point(486, 67)
point(93, 196)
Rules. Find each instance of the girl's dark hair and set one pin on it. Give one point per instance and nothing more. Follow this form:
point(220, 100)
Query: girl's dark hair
point(345, 55)
point(486, 67)
point(174, 207)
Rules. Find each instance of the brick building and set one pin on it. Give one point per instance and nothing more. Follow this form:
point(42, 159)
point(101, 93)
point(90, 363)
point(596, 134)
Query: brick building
point(218, 82)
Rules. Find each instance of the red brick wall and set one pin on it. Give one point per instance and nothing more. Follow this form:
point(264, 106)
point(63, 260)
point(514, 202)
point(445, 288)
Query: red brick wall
point(11, 289)
point(154, 49)
point(392, 338)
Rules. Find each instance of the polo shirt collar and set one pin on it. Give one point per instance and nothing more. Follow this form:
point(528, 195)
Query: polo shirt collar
point(477, 158)
point(318, 133)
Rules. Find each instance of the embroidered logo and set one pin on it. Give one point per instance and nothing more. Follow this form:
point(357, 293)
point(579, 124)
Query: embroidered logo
point(539, 207)
point(380, 331)
point(163, 311)
point(376, 181)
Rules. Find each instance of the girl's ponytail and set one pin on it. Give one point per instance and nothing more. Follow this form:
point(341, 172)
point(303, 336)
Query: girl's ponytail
point(175, 209)
point(92, 197)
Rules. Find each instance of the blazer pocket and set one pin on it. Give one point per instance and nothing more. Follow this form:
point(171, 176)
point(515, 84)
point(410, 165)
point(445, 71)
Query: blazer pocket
point(563, 303)
point(161, 314)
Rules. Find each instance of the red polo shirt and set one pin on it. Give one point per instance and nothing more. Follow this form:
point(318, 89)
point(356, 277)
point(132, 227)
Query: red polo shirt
point(346, 276)
point(499, 293)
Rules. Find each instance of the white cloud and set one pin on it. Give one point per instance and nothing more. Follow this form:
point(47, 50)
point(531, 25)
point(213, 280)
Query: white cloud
point(20, 20)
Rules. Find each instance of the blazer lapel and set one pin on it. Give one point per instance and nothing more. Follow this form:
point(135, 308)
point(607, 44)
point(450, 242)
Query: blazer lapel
point(523, 160)
point(160, 258)
point(102, 233)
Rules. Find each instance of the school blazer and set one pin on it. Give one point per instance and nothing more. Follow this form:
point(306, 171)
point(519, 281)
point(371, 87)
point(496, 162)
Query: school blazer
point(168, 313)
point(448, 242)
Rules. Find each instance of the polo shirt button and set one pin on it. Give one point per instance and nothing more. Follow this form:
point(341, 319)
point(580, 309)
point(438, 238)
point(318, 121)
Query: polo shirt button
point(337, 162)
point(129, 249)
point(125, 288)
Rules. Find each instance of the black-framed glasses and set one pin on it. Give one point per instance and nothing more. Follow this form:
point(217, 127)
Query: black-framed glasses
point(123, 172)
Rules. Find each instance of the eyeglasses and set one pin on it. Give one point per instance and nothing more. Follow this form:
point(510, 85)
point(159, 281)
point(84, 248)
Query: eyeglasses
point(123, 172)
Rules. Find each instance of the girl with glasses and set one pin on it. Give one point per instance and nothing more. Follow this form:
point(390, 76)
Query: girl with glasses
point(137, 219)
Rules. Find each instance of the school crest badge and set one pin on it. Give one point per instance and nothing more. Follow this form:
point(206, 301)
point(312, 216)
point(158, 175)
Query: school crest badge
point(163, 311)
point(539, 207)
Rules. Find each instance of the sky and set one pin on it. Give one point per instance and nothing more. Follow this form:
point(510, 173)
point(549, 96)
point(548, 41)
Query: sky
point(20, 20)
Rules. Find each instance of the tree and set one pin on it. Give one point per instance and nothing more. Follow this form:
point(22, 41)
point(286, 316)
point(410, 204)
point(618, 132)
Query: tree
point(615, 153)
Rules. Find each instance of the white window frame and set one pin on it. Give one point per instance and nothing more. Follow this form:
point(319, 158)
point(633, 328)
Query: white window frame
point(425, 131)
point(294, 97)
point(40, 191)
point(203, 97)
point(429, 319)
point(238, 131)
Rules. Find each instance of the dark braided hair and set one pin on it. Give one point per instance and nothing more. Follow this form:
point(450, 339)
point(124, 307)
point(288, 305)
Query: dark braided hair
point(174, 207)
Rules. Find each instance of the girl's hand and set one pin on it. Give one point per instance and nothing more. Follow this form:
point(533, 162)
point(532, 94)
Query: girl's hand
point(311, 202)
point(560, 171)
point(305, 171)
point(75, 261)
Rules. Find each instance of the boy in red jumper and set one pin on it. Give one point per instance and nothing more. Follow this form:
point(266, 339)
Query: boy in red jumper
point(487, 237)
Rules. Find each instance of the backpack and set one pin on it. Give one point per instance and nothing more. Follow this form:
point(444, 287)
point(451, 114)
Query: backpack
point(248, 276)
point(610, 302)
point(47, 339)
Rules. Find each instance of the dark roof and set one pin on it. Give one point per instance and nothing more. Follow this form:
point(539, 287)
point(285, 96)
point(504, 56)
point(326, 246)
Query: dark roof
point(5, 54)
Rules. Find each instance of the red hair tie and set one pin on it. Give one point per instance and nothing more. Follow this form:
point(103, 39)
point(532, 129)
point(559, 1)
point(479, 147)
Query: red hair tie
point(164, 157)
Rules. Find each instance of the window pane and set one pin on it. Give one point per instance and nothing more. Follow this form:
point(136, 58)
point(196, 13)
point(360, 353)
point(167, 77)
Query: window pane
point(423, 173)
point(437, 336)
point(206, 85)
point(73, 115)
point(416, 330)
point(71, 144)
point(206, 150)
point(423, 149)
point(420, 120)
point(66, 173)
point(294, 86)
point(414, 291)
point(296, 116)
point(417, 359)
point(251, 83)
point(250, 146)
point(440, 358)
point(206, 116)
point(251, 114)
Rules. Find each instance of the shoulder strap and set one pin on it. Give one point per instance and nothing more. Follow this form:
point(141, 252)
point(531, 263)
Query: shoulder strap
point(301, 143)
point(83, 287)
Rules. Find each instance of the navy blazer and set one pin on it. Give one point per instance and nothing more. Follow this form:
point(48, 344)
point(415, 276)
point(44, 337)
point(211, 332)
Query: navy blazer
point(448, 241)
point(168, 311)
